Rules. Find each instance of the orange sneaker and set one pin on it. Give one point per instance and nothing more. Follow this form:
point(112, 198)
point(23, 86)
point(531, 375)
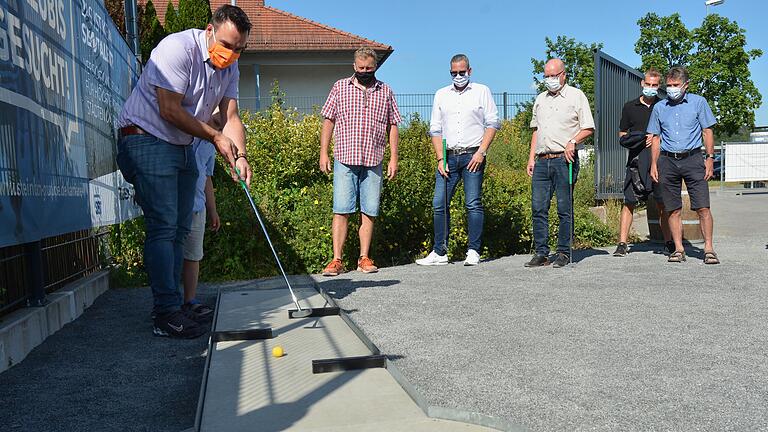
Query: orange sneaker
point(334, 268)
point(365, 265)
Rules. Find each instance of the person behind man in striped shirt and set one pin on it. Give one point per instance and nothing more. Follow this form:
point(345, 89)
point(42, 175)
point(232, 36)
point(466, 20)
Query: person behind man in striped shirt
point(360, 113)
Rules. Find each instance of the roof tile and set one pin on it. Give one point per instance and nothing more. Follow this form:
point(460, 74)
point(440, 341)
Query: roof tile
point(277, 30)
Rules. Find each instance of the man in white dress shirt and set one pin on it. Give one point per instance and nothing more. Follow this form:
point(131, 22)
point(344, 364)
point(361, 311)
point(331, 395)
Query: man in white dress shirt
point(465, 115)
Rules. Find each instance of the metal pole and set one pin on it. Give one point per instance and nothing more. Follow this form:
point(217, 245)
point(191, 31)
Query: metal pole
point(132, 27)
point(722, 166)
point(505, 106)
point(35, 274)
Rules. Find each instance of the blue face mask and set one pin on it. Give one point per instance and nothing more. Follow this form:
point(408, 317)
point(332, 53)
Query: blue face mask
point(650, 92)
point(674, 93)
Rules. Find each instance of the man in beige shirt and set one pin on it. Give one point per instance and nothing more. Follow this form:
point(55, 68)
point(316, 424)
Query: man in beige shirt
point(561, 120)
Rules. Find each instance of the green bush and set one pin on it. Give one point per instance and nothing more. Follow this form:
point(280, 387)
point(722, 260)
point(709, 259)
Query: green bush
point(295, 201)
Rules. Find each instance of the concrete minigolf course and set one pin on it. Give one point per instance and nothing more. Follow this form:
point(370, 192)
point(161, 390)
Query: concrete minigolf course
point(245, 388)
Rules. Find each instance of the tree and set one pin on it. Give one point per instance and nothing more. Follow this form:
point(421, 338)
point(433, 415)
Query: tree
point(116, 9)
point(579, 62)
point(189, 14)
point(719, 71)
point(664, 42)
point(150, 30)
point(171, 19)
point(717, 62)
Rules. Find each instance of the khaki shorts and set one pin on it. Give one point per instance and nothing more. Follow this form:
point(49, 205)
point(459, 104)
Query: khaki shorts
point(193, 244)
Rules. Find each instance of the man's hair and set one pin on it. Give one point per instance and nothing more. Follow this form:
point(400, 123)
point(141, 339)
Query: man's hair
point(678, 73)
point(364, 52)
point(233, 14)
point(653, 73)
point(460, 58)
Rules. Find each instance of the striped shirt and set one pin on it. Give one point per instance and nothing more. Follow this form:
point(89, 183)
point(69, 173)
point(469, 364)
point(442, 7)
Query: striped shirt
point(361, 120)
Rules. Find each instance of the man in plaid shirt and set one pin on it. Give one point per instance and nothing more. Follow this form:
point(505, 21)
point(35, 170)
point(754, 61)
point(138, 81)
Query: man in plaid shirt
point(360, 112)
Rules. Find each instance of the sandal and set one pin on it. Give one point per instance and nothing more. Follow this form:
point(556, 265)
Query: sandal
point(676, 257)
point(711, 258)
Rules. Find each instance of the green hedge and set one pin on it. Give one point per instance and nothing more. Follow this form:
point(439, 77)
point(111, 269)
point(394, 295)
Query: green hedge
point(295, 200)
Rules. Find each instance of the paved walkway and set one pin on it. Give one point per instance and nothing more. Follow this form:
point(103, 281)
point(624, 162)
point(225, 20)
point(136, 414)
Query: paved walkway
point(609, 344)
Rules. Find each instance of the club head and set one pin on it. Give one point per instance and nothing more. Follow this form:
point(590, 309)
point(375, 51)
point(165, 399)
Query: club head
point(300, 313)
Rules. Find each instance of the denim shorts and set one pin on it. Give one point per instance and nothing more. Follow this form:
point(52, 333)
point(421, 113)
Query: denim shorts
point(353, 182)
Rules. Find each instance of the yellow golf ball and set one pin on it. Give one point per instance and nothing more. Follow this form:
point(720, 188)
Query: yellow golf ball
point(278, 351)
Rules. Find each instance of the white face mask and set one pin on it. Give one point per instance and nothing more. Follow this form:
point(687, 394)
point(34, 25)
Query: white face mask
point(674, 93)
point(553, 83)
point(460, 81)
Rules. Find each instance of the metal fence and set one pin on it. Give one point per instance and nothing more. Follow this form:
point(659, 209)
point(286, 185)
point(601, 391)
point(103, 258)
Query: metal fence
point(509, 104)
point(615, 84)
point(29, 271)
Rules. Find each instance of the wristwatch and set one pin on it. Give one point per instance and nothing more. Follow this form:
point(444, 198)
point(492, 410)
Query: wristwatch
point(709, 156)
point(484, 153)
point(572, 141)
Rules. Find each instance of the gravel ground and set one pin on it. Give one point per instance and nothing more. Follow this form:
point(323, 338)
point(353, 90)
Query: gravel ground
point(106, 372)
point(608, 344)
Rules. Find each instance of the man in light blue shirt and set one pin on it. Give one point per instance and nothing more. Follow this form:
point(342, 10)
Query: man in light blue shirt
point(679, 124)
point(188, 75)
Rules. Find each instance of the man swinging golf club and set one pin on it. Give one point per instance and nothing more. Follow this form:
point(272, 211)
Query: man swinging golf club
point(465, 118)
point(561, 120)
point(188, 75)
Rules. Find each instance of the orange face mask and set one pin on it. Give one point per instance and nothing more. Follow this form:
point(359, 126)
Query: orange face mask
point(221, 56)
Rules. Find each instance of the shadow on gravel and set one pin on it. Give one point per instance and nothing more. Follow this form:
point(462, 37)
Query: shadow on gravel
point(582, 254)
point(692, 250)
point(340, 288)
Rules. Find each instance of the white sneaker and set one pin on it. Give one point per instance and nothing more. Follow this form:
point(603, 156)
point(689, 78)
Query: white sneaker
point(433, 259)
point(473, 258)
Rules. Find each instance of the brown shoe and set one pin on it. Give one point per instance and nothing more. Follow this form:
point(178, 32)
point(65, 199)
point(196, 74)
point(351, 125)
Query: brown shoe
point(334, 268)
point(365, 265)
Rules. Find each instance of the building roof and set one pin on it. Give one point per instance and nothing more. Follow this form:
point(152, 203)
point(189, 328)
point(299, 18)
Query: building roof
point(275, 30)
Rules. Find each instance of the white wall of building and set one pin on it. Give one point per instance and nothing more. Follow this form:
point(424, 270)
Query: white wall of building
point(304, 78)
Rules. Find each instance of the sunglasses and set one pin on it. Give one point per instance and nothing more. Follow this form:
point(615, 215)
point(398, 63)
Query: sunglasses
point(460, 73)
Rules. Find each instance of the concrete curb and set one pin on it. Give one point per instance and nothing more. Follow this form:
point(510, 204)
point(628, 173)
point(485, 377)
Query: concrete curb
point(24, 329)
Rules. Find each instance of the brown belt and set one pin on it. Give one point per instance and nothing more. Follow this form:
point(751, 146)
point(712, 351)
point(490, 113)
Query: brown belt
point(550, 155)
point(131, 130)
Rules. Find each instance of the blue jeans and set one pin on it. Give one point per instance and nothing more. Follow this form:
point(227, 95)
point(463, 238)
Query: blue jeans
point(164, 177)
point(473, 186)
point(550, 176)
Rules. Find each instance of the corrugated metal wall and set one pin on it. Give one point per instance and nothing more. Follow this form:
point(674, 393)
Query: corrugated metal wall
point(615, 84)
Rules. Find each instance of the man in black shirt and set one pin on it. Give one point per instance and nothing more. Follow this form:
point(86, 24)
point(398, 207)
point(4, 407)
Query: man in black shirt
point(637, 184)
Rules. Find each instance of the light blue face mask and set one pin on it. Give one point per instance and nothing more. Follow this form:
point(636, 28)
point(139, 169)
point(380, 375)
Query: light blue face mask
point(650, 92)
point(674, 93)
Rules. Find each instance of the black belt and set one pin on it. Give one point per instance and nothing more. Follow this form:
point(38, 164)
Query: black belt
point(683, 155)
point(461, 151)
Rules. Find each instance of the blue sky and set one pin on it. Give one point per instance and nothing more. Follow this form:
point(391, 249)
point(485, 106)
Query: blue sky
point(501, 36)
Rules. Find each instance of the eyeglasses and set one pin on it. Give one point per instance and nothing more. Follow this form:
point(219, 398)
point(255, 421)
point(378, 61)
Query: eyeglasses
point(460, 73)
point(555, 75)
